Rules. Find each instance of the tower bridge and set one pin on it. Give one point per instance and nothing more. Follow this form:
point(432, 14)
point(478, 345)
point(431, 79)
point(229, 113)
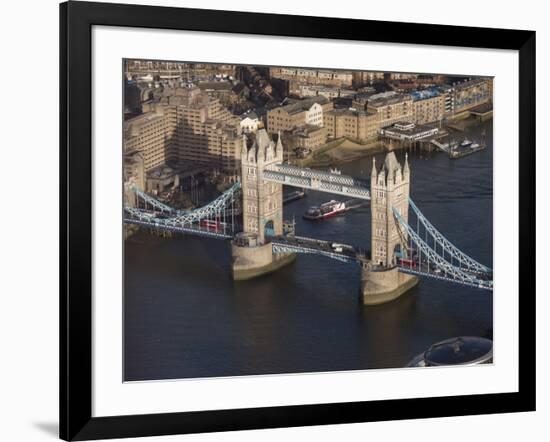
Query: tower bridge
point(401, 250)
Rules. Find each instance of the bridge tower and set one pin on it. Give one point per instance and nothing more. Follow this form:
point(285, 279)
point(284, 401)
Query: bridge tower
point(381, 280)
point(389, 188)
point(262, 200)
point(251, 250)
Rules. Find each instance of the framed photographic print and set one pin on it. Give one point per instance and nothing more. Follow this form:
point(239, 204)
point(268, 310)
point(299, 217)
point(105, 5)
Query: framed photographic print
point(272, 220)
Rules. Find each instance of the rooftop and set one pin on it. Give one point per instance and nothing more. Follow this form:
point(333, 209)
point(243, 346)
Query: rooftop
point(351, 111)
point(424, 94)
point(139, 120)
point(251, 115)
point(304, 131)
point(469, 83)
point(408, 128)
point(386, 98)
point(295, 106)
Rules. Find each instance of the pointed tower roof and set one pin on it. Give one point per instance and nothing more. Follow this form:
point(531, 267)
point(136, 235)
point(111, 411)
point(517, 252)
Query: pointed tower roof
point(262, 139)
point(373, 170)
point(391, 167)
point(390, 163)
point(279, 143)
point(406, 166)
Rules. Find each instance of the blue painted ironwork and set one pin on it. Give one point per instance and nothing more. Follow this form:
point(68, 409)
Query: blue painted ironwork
point(220, 211)
point(153, 202)
point(299, 244)
point(462, 258)
point(431, 257)
point(320, 180)
point(193, 229)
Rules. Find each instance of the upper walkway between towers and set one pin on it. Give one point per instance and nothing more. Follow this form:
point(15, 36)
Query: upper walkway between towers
point(320, 180)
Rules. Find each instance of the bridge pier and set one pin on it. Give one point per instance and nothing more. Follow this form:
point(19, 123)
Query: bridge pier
point(380, 285)
point(252, 259)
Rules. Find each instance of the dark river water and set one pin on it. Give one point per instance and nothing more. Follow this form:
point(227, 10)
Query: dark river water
point(186, 318)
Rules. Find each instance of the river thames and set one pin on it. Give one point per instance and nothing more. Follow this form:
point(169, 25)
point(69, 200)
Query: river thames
point(185, 317)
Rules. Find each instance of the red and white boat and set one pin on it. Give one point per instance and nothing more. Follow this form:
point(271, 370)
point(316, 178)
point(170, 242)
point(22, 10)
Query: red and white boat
point(325, 210)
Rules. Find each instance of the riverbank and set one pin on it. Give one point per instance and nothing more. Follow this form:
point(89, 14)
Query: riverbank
point(340, 152)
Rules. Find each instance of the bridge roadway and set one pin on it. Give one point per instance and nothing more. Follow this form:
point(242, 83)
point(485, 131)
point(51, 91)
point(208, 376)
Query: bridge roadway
point(300, 244)
point(320, 180)
point(482, 281)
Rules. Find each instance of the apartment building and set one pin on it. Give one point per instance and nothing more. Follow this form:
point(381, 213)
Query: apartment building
point(360, 125)
point(147, 133)
point(460, 97)
point(329, 92)
point(428, 106)
point(297, 113)
point(313, 76)
point(187, 124)
point(390, 107)
point(471, 93)
point(363, 78)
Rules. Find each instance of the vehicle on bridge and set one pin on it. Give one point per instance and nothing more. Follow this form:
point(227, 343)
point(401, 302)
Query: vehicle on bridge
point(213, 225)
point(407, 262)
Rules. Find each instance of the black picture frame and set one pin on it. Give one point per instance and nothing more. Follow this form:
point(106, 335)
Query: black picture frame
point(76, 21)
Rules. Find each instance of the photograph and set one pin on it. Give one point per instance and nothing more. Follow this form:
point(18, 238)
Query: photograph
point(284, 219)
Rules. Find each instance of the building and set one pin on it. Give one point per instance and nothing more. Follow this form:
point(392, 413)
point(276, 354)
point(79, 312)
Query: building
point(389, 191)
point(297, 77)
point(189, 125)
point(359, 125)
point(471, 93)
point(391, 107)
point(308, 137)
point(297, 113)
point(449, 99)
point(262, 201)
point(361, 98)
point(222, 90)
point(174, 69)
point(402, 76)
point(161, 178)
point(327, 77)
point(148, 134)
point(325, 91)
point(250, 122)
point(407, 131)
point(460, 97)
point(364, 78)
point(428, 106)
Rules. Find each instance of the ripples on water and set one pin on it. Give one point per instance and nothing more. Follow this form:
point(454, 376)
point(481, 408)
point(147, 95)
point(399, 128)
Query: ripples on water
point(185, 317)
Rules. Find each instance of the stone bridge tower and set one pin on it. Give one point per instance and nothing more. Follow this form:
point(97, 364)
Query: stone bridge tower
point(381, 280)
point(389, 188)
point(262, 201)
